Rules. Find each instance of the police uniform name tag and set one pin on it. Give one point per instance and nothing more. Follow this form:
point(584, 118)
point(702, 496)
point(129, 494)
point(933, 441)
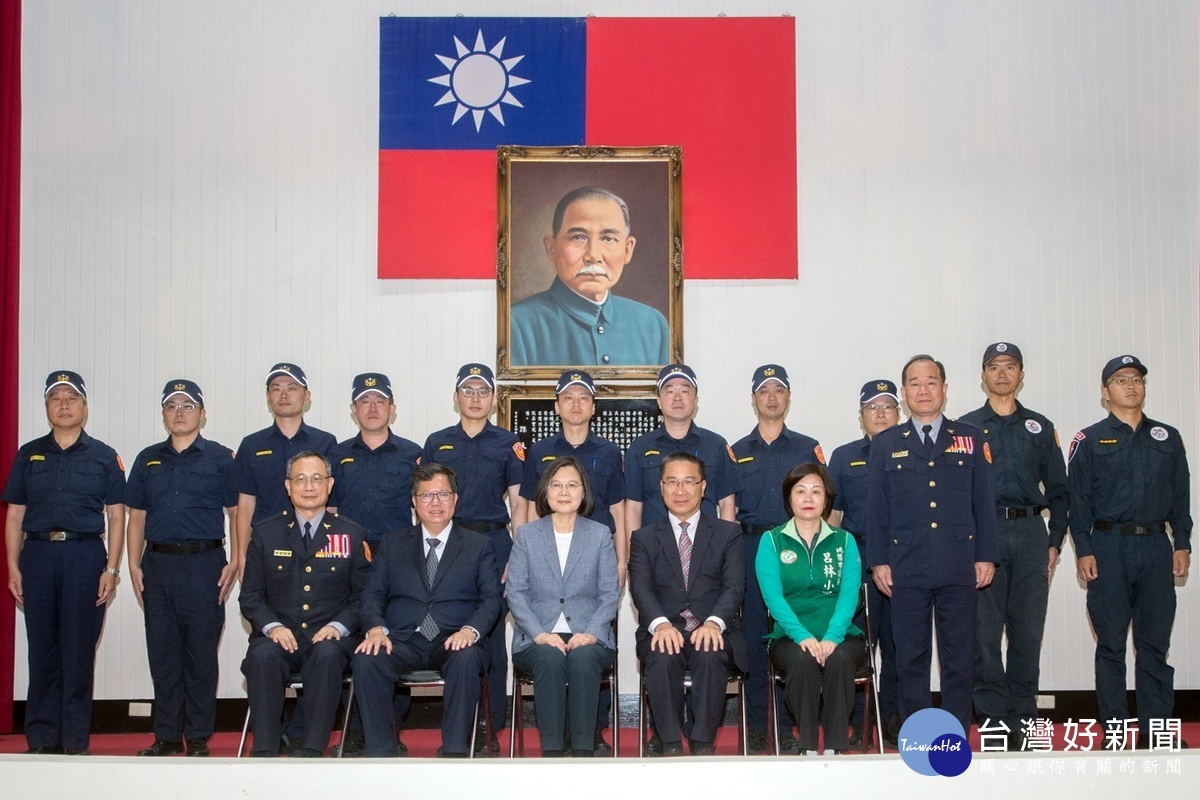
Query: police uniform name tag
point(1033, 426)
point(264, 453)
point(900, 454)
point(283, 553)
point(1158, 433)
point(788, 556)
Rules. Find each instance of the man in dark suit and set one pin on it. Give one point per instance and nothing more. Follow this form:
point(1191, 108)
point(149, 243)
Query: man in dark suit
point(931, 538)
point(434, 591)
point(687, 576)
point(305, 571)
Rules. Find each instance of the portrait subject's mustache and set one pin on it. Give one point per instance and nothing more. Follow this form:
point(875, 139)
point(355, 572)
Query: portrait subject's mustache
point(592, 269)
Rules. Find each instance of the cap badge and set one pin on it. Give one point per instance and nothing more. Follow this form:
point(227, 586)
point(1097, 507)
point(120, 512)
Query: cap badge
point(285, 367)
point(1127, 360)
point(1001, 348)
point(881, 386)
point(575, 376)
point(476, 370)
point(64, 377)
point(369, 382)
point(768, 372)
point(179, 387)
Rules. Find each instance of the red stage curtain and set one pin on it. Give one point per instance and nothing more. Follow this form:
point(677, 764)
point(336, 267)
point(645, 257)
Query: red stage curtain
point(10, 286)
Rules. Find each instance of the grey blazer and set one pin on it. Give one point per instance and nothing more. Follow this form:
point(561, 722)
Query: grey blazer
point(587, 591)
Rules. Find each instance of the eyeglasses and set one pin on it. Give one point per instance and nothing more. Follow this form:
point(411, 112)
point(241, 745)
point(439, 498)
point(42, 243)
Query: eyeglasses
point(1129, 380)
point(171, 408)
point(558, 486)
point(305, 480)
point(880, 408)
point(675, 483)
point(475, 391)
point(428, 497)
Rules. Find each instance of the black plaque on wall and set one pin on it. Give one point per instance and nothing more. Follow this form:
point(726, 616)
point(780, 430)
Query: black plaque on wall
point(622, 413)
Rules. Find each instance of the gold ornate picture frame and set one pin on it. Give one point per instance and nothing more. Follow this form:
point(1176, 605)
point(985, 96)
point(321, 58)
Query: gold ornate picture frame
point(604, 291)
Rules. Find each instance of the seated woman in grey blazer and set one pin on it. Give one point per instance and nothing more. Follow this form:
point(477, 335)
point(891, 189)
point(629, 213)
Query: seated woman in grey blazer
point(562, 591)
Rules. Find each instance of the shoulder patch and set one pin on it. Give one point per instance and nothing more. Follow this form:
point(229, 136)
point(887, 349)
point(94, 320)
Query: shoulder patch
point(519, 449)
point(987, 452)
point(1079, 437)
point(819, 453)
point(367, 552)
point(745, 460)
point(732, 457)
point(37, 457)
point(264, 452)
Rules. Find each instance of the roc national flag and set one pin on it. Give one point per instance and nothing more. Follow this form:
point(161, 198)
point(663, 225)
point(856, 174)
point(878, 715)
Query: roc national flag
point(453, 89)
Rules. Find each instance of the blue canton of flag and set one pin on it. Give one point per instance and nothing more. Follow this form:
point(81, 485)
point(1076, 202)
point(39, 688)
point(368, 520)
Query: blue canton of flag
point(464, 83)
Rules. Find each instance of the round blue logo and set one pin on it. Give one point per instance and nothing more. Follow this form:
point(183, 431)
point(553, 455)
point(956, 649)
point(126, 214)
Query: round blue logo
point(933, 742)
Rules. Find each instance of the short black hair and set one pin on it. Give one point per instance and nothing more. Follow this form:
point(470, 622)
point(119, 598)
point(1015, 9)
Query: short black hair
point(542, 505)
point(798, 474)
point(423, 473)
point(287, 470)
point(922, 357)
point(681, 455)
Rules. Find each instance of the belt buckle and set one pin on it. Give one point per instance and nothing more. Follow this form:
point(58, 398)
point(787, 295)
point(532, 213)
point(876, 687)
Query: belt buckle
point(58, 536)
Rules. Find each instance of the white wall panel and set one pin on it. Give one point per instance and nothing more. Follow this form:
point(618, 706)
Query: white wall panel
point(199, 200)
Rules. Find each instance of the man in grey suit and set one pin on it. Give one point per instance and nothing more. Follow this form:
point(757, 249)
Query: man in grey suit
point(687, 575)
point(562, 590)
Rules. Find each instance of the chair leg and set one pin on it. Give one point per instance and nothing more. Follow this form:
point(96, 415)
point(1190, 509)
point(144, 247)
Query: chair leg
point(615, 712)
point(245, 731)
point(516, 727)
point(474, 727)
point(487, 718)
point(741, 686)
point(772, 709)
point(346, 719)
point(641, 716)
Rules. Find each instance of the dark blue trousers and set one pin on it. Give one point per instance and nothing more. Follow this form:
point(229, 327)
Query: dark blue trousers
point(60, 581)
point(184, 621)
point(1013, 606)
point(914, 611)
point(1134, 586)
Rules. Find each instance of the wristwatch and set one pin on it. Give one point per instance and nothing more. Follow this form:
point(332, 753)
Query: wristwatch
point(116, 573)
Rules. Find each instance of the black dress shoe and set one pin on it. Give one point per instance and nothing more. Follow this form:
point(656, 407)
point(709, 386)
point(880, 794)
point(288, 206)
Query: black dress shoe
point(599, 746)
point(288, 747)
point(77, 751)
point(401, 747)
point(481, 744)
point(162, 747)
point(44, 751)
point(306, 752)
point(197, 747)
point(654, 747)
point(352, 747)
point(704, 750)
point(441, 753)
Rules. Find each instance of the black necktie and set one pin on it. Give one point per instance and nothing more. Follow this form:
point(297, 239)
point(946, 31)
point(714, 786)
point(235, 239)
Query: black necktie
point(308, 534)
point(927, 433)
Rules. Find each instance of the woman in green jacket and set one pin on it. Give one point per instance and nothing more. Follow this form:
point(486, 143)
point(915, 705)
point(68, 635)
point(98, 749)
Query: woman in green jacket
point(809, 573)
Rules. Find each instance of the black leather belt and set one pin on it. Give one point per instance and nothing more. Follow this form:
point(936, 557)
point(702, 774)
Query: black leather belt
point(1130, 530)
point(188, 549)
point(1018, 512)
point(483, 527)
point(62, 536)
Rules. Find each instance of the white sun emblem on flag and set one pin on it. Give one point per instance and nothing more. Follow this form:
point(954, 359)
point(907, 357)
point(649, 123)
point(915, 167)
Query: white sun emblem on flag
point(479, 80)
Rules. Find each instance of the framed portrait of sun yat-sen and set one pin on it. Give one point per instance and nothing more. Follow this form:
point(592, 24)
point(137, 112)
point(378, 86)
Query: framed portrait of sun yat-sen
point(589, 263)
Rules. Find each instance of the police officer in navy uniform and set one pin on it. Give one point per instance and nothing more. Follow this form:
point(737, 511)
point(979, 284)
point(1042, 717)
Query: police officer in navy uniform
point(931, 538)
point(575, 405)
point(488, 463)
point(764, 458)
point(63, 489)
point(678, 396)
point(177, 497)
point(878, 410)
point(371, 486)
point(261, 465)
point(306, 568)
point(1131, 523)
point(1030, 477)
